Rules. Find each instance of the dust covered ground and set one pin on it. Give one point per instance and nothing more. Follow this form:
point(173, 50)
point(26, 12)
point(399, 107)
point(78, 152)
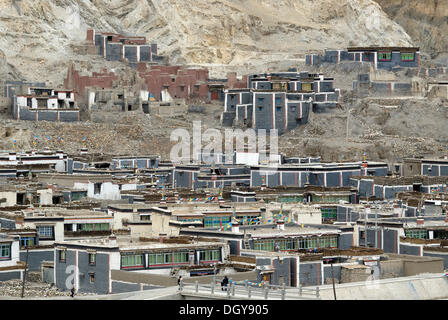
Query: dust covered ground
point(386, 129)
point(389, 131)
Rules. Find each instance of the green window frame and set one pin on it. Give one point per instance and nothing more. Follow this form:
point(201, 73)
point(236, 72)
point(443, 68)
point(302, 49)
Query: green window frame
point(181, 257)
point(209, 255)
point(407, 56)
point(264, 245)
point(329, 213)
point(128, 261)
point(417, 234)
point(384, 56)
point(5, 251)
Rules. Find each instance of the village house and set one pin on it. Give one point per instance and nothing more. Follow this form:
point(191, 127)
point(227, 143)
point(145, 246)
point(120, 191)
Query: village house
point(420, 236)
point(316, 174)
point(97, 261)
point(14, 165)
point(279, 101)
point(10, 266)
point(117, 47)
point(387, 58)
point(46, 104)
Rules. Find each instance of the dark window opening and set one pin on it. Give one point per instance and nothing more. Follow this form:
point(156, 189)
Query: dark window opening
point(417, 187)
point(21, 199)
point(97, 188)
point(58, 199)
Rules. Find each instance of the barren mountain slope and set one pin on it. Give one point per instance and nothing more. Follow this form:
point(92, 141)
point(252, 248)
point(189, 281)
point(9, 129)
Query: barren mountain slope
point(426, 21)
point(36, 36)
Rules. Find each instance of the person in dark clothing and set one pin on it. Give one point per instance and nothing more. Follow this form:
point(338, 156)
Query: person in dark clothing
point(224, 283)
point(72, 292)
point(179, 281)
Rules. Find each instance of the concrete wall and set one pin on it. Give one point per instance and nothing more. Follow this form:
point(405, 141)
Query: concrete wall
point(355, 273)
point(36, 257)
point(10, 197)
point(64, 272)
point(10, 275)
point(345, 241)
point(336, 273)
point(436, 254)
point(415, 250)
point(391, 269)
point(100, 270)
point(422, 288)
point(310, 273)
point(416, 267)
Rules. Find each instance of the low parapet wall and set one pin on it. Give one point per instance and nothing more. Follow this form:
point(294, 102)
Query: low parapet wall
point(423, 287)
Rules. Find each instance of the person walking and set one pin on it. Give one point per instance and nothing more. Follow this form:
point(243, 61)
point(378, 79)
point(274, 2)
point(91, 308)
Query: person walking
point(224, 283)
point(179, 281)
point(72, 292)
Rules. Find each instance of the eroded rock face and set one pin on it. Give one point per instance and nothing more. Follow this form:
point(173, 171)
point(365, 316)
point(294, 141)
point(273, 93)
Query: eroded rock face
point(239, 33)
point(425, 21)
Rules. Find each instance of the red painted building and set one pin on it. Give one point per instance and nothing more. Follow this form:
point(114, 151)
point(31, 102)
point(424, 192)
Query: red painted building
point(180, 82)
point(79, 83)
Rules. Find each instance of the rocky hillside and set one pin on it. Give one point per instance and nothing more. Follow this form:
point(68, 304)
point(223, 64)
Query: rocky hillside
point(426, 21)
point(246, 35)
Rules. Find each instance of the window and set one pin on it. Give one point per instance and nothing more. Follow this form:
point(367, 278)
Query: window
point(216, 222)
point(260, 108)
point(168, 258)
point(307, 87)
point(293, 109)
point(93, 227)
point(92, 277)
point(384, 56)
point(407, 56)
point(5, 251)
point(209, 255)
point(279, 109)
point(62, 255)
point(264, 245)
point(288, 244)
point(92, 259)
point(27, 241)
point(260, 99)
point(278, 100)
point(329, 213)
point(416, 234)
point(181, 257)
point(132, 261)
point(97, 188)
point(45, 232)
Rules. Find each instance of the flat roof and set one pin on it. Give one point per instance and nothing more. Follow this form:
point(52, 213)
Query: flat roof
point(126, 243)
point(269, 231)
point(375, 48)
